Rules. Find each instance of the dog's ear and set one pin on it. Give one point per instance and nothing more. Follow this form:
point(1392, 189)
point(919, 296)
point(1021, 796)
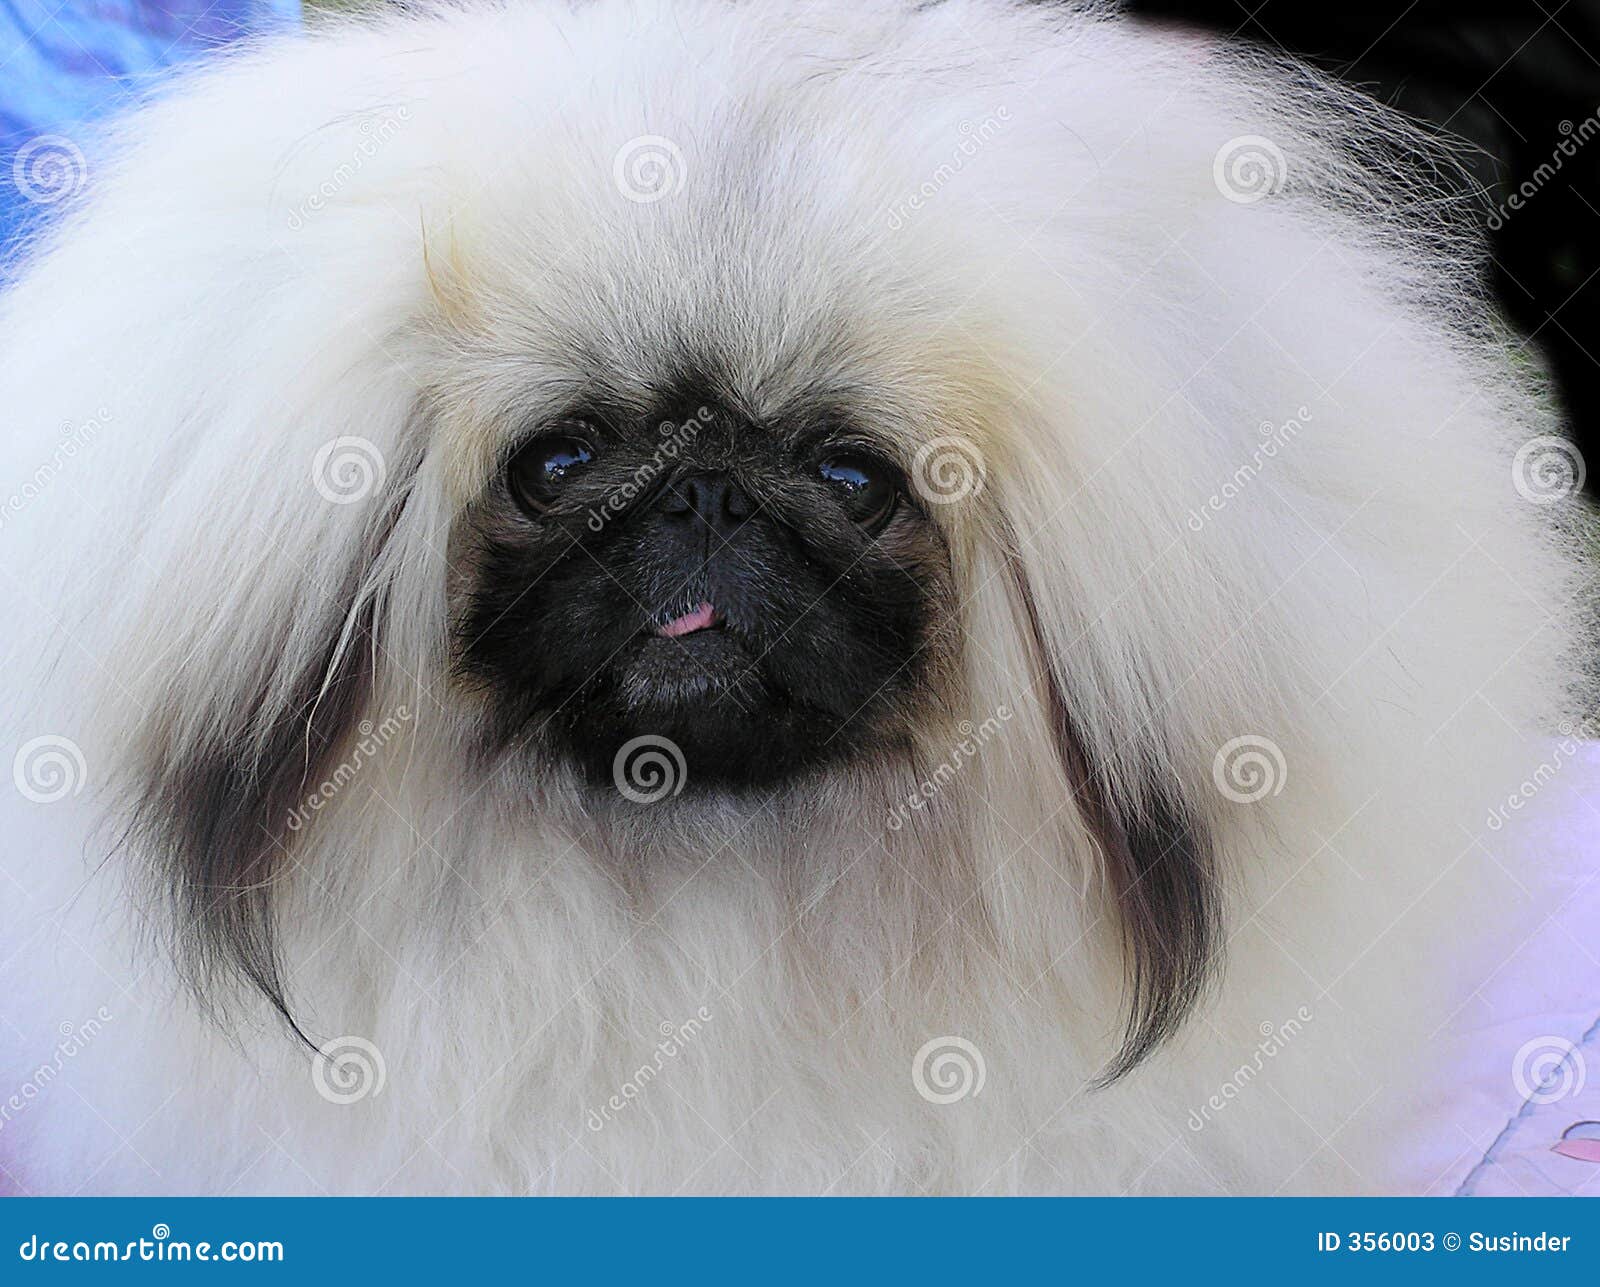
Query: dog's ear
point(217, 820)
point(224, 771)
point(1158, 864)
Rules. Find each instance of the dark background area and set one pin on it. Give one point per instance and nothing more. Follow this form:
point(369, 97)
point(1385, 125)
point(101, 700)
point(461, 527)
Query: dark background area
point(1515, 80)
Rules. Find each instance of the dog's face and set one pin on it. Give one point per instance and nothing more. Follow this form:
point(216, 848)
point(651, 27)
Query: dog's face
point(760, 590)
point(756, 589)
point(637, 493)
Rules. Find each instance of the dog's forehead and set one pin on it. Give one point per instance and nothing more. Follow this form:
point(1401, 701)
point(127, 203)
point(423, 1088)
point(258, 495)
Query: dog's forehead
point(731, 292)
point(613, 342)
point(660, 334)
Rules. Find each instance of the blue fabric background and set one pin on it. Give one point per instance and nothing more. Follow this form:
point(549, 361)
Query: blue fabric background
point(65, 62)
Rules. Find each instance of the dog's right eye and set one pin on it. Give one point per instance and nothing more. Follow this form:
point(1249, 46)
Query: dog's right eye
point(868, 487)
point(535, 475)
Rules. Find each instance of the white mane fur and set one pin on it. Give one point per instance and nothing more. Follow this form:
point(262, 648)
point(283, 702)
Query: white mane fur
point(394, 231)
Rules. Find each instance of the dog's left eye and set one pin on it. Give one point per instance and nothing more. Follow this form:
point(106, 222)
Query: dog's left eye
point(538, 470)
point(869, 488)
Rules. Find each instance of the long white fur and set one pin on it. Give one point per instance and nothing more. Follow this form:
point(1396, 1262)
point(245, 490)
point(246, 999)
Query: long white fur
point(1077, 300)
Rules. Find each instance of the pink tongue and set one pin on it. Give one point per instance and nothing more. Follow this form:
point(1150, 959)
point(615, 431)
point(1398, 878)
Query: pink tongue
point(700, 619)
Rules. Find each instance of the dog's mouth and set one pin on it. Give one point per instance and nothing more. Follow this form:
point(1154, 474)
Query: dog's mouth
point(708, 672)
point(692, 666)
point(702, 617)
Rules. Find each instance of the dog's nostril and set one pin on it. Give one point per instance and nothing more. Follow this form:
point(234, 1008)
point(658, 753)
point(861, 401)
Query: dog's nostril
point(714, 497)
point(675, 499)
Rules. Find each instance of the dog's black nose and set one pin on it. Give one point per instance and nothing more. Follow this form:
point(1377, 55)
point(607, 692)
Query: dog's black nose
point(716, 498)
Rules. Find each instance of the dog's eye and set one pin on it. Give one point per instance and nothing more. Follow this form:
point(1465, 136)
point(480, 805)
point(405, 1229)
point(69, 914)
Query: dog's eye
point(868, 488)
point(540, 467)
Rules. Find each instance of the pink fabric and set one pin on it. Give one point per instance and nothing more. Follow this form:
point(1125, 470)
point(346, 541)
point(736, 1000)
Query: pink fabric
point(1583, 1150)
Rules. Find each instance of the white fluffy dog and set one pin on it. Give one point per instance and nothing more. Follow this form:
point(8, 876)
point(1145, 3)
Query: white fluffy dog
point(690, 596)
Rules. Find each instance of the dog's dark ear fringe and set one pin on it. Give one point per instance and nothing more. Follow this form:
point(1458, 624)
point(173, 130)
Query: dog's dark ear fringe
point(1161, 870)
point(217, 825)
point(215, 822)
